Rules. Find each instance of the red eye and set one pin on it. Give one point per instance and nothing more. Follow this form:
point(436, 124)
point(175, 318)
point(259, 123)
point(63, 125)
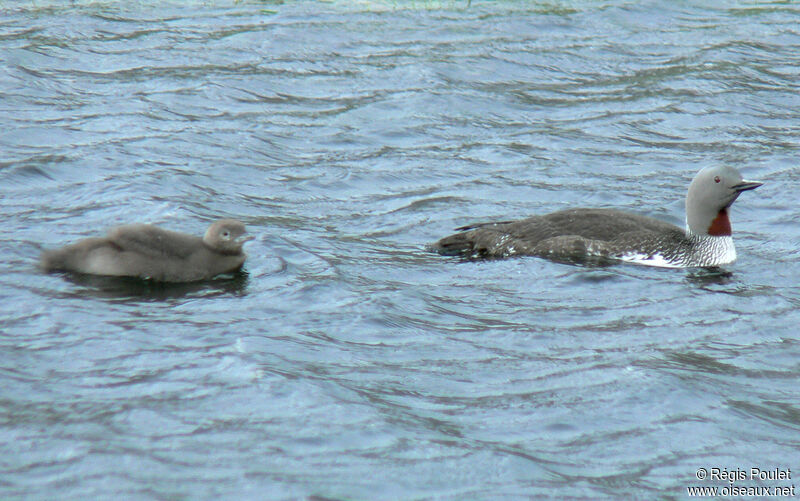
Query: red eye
point(716, 179)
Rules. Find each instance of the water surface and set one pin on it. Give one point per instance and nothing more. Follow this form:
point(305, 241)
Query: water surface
point(348, 362)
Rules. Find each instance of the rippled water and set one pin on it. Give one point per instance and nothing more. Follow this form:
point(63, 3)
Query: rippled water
point(348, 362)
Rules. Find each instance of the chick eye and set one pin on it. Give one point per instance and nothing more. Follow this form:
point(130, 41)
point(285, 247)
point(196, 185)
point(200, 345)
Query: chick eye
point(716, 179)
point(225, 234)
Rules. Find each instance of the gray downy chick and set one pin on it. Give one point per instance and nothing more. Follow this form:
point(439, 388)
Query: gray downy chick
point(150, 252)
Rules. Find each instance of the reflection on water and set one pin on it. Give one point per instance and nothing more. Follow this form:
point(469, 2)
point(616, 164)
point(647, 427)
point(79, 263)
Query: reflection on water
point(705, 277)
point(129, 288)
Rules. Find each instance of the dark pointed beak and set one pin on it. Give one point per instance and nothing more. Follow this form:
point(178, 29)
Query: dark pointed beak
point(745, 185)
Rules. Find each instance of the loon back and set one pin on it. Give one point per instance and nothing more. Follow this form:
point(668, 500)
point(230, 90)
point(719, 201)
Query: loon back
point(572, 235)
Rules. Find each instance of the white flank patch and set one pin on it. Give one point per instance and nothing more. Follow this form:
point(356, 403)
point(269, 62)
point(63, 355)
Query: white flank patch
point(654, 260)
point(707, 251)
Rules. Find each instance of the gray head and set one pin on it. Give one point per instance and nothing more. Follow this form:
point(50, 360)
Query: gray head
point(712, 191)
point(226, 236)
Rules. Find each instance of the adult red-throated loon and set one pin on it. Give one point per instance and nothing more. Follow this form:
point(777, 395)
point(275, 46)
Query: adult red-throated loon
point(590, 235)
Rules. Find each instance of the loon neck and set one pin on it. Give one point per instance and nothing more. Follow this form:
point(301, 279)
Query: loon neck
point(721, 225)
point(710, 250)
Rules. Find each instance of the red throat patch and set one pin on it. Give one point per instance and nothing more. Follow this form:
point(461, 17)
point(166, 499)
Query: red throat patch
point(721, 225)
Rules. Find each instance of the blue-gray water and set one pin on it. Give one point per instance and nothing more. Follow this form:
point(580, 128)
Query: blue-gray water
point(349, 363)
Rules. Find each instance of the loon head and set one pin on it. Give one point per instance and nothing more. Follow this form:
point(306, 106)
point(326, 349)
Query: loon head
point(711, 192)
point(226, 236)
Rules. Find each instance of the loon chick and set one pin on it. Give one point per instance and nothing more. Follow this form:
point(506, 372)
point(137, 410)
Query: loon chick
point(607, 235)
point(149, 252)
